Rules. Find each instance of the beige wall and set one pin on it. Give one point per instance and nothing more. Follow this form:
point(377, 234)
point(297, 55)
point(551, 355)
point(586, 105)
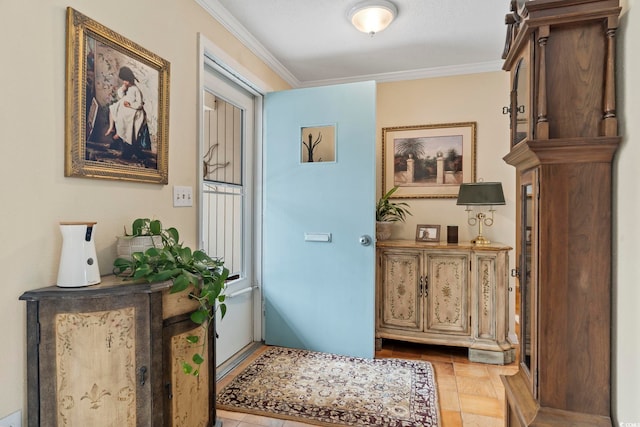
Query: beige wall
point(36, 195)
point(469, 98)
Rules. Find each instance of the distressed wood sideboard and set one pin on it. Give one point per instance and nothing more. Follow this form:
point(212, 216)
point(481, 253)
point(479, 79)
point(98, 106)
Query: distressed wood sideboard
point(444, 294)
point(111, 354)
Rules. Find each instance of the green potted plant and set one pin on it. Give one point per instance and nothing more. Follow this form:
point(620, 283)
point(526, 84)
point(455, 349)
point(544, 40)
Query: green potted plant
point(189, 270)
point(388, 213)
point(145, 234)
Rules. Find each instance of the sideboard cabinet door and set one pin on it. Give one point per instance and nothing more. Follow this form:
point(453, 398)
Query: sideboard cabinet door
point(447, 289)
point(400, 290)
point(99, 352)
point(189, 399)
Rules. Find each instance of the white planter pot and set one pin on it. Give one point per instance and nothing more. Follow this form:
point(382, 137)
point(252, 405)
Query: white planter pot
point(129, 244)
point(383, 230)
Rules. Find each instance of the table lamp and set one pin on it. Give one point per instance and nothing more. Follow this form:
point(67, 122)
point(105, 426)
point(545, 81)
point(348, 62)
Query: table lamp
point(480, 194)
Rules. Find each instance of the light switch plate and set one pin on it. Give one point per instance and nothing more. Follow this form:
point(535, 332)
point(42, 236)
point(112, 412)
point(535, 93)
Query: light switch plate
point(182, 196)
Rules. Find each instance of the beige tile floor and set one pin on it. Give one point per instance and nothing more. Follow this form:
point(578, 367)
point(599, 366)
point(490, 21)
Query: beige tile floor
point(470, 394)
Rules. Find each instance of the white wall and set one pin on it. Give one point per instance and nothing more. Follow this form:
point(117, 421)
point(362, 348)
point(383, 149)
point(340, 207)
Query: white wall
point(34, 192)
point(626, 234)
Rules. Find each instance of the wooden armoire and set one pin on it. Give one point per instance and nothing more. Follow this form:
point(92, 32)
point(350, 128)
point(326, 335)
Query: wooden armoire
point(564, 134)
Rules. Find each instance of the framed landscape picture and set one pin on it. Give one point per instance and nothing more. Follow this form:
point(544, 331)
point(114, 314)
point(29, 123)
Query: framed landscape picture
point(117, 106)
point(428, 161)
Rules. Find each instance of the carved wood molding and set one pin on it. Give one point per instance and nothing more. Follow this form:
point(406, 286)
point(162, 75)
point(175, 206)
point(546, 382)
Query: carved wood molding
point(529, 154)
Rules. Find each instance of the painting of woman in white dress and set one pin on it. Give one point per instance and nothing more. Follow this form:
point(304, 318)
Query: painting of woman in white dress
point(127, 115)
point(117, 106)
point(123, 117)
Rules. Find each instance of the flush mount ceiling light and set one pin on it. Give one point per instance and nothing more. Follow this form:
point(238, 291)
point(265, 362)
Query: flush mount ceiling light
point(372, 16)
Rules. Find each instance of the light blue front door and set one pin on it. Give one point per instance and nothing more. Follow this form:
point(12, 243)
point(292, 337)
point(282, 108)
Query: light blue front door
point(320, 295)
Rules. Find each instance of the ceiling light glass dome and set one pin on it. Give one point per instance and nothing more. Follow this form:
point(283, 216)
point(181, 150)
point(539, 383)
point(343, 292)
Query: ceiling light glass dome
point(372, 16)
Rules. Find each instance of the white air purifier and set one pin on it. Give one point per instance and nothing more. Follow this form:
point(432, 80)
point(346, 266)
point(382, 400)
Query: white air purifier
point(78, 262)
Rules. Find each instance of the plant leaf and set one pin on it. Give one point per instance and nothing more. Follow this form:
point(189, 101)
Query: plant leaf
point(153, 252)
point(138, 224)
point(223, 310)
point(155, 227)
point(197, 359)
point(180, 283)
point(161, 276)
point(173, 235)
point(199, 316)
point(142, 271)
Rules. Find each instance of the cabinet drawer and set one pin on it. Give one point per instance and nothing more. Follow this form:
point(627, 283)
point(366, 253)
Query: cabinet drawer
point(176, 304)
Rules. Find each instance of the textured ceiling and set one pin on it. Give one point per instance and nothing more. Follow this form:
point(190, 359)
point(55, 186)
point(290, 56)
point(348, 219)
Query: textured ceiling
point(312, 42)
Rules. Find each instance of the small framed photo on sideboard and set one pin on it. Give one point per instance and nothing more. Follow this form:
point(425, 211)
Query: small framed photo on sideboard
point(427, 233)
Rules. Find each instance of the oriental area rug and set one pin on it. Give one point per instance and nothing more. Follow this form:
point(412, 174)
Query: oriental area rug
point(331, 390)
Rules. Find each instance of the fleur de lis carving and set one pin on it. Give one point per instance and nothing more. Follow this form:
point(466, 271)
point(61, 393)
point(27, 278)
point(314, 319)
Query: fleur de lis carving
point(95, 396)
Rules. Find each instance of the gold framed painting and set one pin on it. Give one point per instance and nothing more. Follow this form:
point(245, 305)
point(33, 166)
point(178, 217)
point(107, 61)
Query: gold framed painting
point(117, 106)
point(428, 161)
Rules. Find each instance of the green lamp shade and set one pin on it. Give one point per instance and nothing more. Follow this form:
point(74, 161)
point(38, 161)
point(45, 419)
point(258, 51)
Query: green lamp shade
point(481, 193)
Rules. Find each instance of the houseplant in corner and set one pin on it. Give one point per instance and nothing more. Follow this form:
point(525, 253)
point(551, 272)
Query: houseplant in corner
point(388, 213)
point(195, 272)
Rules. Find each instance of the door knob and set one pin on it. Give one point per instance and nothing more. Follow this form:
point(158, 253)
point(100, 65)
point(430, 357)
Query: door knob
point(365, 240)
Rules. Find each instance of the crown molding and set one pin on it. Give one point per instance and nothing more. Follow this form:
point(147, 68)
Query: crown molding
point(423, 73)
point(222, 15)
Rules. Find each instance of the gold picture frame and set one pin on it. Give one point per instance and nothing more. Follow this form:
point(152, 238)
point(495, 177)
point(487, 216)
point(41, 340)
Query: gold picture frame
point(428, 161)
point(117, 106)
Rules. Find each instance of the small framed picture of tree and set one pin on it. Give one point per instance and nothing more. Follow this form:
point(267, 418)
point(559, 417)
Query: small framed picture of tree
point(318, 144)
